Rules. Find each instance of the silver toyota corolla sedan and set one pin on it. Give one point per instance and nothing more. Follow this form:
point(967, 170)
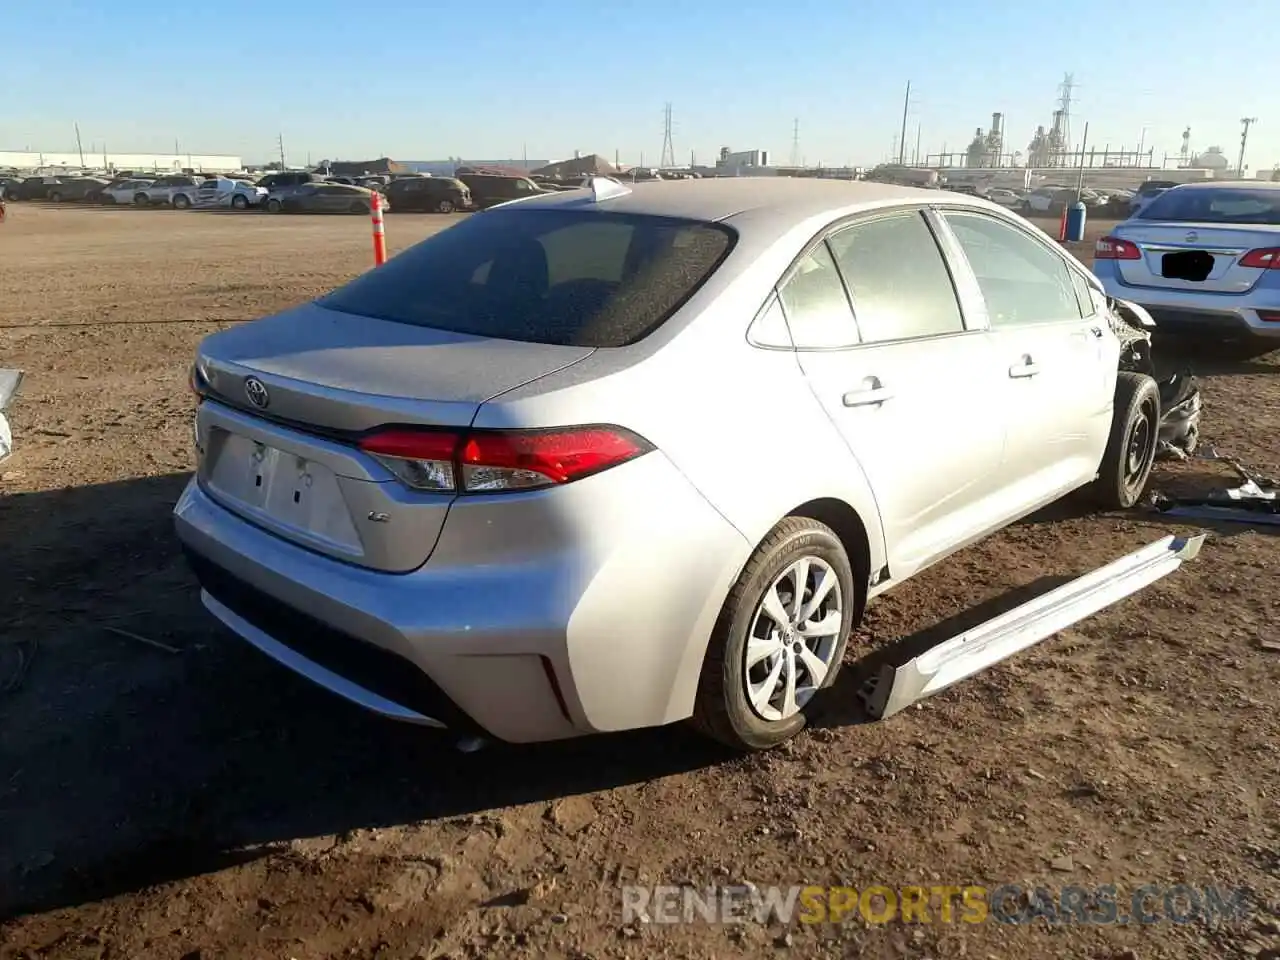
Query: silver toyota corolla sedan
point(625, 455)
point(1202, 258)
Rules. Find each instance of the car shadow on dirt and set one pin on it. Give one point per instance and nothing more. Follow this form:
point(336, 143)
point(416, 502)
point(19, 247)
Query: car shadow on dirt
point(144, 744)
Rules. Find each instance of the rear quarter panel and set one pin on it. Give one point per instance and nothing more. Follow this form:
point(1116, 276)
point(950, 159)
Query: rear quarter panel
point(739, 421)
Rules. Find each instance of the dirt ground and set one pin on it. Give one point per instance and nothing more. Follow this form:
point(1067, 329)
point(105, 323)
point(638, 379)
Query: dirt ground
point(165, 792)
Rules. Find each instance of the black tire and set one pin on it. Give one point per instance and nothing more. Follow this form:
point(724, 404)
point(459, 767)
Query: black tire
point(55, 197)
point(722, 710)
point(141, 200)
point(1131, 448)
point(181, 201)
point(274, 206)
point(445, 206)
point(240, 202)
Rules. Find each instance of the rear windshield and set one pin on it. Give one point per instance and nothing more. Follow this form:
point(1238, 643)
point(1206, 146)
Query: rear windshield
point(1227, 205)
point(554, 276)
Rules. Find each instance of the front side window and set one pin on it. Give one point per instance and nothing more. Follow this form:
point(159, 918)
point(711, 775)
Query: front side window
point(1022, 281)
point(898, 280)
point(554, 276)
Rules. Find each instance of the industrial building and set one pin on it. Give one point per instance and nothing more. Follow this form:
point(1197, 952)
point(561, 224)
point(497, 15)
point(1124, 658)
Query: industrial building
point(153, 162)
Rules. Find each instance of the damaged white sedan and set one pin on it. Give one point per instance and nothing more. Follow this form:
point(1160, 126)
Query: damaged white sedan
point(10, 380)
point(622, 456)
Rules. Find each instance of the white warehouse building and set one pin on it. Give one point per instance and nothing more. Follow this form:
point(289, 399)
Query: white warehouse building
point(154, 162)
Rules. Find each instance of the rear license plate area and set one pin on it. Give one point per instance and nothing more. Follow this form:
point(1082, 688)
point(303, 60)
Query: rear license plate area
point(291, 493)
point(1190, 265)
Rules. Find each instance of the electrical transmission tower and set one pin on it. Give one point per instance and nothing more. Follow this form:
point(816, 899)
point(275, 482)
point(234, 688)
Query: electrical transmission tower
point(1066, 89)
point(795, 143)
point(668, 148)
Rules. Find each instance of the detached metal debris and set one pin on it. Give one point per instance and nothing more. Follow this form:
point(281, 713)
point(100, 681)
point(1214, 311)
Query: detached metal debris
point(1255, 500)
point(968, 653)
point(10, 380)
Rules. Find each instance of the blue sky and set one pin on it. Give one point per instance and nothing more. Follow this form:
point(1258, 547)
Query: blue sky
point(488, 80)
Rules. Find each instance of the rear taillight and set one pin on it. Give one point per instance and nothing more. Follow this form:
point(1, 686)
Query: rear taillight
point(1265, 258)
point(493, 461)
point(1113, 248)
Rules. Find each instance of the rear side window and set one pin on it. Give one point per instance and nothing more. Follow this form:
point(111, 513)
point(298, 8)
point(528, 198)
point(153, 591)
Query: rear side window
point(566, 277)
point(1226, 205)
point(900, 284)
point(815, 304)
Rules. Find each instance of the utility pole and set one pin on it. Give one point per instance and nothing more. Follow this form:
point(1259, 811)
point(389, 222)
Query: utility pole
point(795, 143)
point(79, 145)
point(902, 137)
point(280, 144)
point(915, 159)
point(1245, 122)
point(1083, 144)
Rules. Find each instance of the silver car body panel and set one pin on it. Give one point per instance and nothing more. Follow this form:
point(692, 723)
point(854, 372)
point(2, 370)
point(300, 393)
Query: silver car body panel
point(1001, 637)
point(614, 582)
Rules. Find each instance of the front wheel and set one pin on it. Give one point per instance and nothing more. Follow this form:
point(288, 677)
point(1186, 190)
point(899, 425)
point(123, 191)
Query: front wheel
point(240, 202)
point(141, 200)
point(1131, 447)
point(779, 639)
point(274, 206)
point(445, 206)
point(181, 202)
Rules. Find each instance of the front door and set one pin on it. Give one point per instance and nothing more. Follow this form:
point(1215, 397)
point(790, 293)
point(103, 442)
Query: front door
point(909, 387)
point(1058, 358)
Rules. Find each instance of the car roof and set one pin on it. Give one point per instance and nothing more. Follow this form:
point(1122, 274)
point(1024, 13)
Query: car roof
point(1231, 184)
point(784, 201)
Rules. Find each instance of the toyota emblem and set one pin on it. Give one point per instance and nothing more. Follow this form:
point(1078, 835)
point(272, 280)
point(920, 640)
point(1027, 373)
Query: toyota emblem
point(256, 391)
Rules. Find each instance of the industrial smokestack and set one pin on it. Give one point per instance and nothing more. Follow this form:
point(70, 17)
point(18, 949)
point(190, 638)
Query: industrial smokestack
point(997, 123)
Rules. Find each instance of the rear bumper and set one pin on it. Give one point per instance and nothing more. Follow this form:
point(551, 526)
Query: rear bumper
point(605, 630)
point(1231, 314)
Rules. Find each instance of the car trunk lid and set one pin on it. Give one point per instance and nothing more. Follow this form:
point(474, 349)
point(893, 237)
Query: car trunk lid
point(289, 395)
point(1214, 265)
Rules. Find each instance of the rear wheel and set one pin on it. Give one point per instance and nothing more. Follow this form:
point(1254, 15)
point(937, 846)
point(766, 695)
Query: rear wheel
point(240, 202)
point(1131, 448)
point(56, 197)
point(445, 206)
point(779, 639)
point(141, 199)
point(274, 206)
point(181, 201)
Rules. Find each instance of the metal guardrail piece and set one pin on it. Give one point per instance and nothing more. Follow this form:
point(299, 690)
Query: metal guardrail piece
point(973, 651)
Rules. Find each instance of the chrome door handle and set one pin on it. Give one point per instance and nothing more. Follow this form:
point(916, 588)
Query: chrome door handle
point(868, 397)
point(1027, 368)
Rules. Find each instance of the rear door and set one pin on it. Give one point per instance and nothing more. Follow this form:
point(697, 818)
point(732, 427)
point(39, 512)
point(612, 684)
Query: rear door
point(909, 386)
point(1058, 357)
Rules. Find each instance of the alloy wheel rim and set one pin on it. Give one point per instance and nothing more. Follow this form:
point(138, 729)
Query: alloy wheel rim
point(794, 633)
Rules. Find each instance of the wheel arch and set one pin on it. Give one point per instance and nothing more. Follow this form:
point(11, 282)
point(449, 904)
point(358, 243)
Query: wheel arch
point(851, 530)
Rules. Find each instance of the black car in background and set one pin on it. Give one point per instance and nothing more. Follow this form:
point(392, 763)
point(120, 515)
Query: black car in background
point(33, 188)
point(488, 189)
point(428, 195)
